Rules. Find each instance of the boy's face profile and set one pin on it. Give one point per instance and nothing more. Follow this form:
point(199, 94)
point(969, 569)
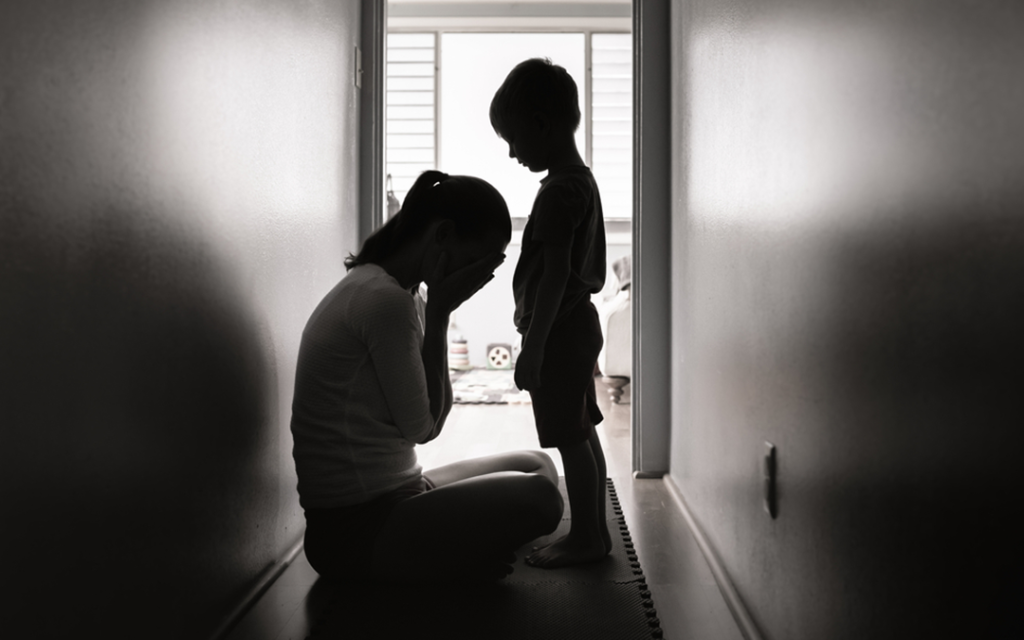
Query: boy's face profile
point(527, 143)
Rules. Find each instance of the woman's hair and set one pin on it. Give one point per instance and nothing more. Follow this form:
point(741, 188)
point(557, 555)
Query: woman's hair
point(536, 85)
point(476, 208)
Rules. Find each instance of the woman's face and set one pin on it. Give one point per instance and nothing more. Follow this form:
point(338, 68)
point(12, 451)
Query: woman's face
point(462, 252)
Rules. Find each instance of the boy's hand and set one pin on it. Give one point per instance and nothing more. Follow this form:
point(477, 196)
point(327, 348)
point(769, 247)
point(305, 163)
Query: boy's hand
point(447, 292)
point(527, 374)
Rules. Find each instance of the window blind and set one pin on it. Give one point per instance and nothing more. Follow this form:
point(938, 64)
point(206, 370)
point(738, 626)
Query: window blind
point(611, 62)
point(410, 115)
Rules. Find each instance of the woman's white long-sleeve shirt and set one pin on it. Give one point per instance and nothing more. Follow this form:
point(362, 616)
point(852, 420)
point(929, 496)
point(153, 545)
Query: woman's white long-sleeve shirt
point(361, 402)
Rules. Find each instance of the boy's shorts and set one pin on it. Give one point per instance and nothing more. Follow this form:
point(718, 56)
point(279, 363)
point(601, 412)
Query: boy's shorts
point(338, 541)
point(565, 406)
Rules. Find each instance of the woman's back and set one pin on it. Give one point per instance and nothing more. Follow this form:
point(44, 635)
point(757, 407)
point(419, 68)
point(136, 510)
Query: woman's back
point(361, 401)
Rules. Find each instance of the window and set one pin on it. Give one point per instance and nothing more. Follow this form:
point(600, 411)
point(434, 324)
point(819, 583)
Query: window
point(410, 129)
point(473, 66)
point(611, 117)
point(439, 89)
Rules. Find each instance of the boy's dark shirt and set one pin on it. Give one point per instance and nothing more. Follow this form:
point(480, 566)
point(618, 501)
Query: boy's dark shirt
point(566, 212)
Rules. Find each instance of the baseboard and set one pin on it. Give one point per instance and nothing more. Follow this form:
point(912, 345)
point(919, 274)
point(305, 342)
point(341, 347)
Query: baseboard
point(263, 582)
point(648, 475)
point(732, 598)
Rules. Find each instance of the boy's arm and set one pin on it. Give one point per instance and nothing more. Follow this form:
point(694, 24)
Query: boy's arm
point(549, 297)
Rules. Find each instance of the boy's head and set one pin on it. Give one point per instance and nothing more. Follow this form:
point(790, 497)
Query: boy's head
point(536, 87)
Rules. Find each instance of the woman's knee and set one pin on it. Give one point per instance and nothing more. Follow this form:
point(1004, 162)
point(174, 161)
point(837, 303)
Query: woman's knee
point(548, 465)
point(541, 496)
point(540, 463)
point(532, 461)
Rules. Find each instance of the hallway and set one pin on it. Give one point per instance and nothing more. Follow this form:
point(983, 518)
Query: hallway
point(843, 238)
point(684, 591)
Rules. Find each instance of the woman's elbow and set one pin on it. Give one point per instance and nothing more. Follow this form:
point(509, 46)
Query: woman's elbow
point(432, 430)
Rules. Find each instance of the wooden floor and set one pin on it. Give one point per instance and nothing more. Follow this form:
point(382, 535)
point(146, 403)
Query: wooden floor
point(688, 601)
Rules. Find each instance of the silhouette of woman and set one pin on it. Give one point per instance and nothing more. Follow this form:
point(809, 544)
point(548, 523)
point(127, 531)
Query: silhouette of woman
point(372, 383)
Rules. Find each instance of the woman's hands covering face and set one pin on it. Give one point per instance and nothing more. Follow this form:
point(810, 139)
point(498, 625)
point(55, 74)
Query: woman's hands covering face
point(448, 291)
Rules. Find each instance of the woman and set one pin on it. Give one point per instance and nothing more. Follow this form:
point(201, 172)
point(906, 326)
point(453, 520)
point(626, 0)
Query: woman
point(372, 383)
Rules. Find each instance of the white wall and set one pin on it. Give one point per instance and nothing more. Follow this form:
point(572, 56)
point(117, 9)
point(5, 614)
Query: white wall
point(178, 193)
point(848, 283)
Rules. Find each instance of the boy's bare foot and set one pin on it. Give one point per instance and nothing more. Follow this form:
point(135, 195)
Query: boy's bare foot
point(566, 551)
point(606, 539)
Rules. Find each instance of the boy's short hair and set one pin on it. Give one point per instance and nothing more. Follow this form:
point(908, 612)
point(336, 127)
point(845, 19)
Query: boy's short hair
point(536, 85)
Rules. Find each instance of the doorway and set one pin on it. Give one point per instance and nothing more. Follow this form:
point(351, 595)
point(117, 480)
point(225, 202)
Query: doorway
point(426, 62)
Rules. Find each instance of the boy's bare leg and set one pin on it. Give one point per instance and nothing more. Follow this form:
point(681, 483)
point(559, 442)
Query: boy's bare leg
point(602, 476)
point(584, 542)
point(602, 480)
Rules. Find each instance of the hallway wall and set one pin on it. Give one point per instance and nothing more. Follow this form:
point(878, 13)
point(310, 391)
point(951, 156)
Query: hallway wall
point(848, 284)
point(176, 195)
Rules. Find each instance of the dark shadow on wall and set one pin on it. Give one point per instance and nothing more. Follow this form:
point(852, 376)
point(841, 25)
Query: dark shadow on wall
point(135, 399)
point(927, 375)
point(886, 361)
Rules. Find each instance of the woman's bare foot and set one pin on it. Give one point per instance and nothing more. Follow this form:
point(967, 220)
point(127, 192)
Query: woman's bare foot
point(488, 569)
point(567, 551)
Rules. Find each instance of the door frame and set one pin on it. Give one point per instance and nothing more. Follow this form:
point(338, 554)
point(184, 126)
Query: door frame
point(370, 71)
point(652, 227)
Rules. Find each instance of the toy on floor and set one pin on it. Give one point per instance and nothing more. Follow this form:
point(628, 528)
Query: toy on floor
point(458, 348)
point(499, 356)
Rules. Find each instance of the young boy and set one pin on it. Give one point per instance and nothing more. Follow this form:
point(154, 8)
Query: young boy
point(536, 110)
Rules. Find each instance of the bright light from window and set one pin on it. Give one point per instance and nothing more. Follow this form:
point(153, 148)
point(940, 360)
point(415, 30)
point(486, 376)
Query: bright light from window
point(473, 66)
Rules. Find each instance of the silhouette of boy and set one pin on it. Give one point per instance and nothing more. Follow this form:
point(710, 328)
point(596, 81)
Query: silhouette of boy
point(536, 111)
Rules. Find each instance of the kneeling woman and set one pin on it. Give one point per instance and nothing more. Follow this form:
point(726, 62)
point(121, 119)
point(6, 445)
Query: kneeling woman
point(372, 383)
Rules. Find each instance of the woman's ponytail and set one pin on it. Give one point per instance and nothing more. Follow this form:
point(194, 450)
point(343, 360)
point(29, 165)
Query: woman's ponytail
point(375, 247)
point(413, 215)
point(420, 204)
point(423, 188)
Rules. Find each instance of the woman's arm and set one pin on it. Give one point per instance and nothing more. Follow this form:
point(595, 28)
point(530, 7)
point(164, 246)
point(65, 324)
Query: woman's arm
point(393, 331)
point(435, 366)
point(446, 292)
